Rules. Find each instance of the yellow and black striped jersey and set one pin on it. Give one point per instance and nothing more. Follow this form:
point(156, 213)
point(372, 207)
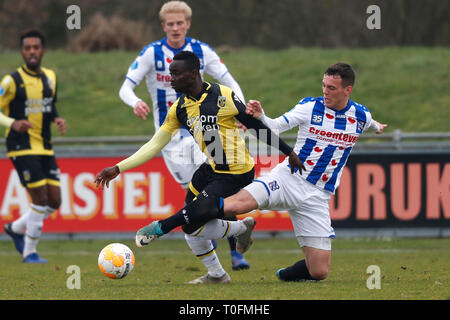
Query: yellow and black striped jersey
point(25, 94)
point(211, 119)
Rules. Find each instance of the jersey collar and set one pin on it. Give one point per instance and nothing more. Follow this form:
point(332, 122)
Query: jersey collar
point(202, 94)
point(342, 111)
point(30, 72)
point(175, 51)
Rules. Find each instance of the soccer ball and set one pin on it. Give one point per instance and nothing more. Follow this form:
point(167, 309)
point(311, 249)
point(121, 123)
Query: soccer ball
point(116, 260)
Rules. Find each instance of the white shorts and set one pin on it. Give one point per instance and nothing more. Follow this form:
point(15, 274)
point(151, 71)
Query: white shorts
point(315, 242)
point(307, 204)
point(183, 157)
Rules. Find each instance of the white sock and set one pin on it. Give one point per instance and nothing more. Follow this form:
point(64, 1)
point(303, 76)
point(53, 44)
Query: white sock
point(204, 250)
point(34, 226)
point(18, 225)
point(217, 229)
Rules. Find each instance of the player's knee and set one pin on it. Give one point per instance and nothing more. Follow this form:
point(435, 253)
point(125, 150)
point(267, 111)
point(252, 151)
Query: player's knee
point(235, 206)
point(239, 203)
point(232, 208)
point(187, 229)
point(54, 197)
point(39, 199)
point(39, 195)
point(205, 208)
point(54, 203)
point(319, 273)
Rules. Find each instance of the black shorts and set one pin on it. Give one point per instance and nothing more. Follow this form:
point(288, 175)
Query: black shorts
point(35, 171)
point(217, 184)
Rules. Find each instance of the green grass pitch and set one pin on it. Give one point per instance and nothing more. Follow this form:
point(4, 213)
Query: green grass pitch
point(405, 87)
point(411, 269)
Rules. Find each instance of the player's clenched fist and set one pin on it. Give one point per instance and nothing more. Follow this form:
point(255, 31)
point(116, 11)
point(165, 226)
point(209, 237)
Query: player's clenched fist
point(141, 109)
point(254, 108)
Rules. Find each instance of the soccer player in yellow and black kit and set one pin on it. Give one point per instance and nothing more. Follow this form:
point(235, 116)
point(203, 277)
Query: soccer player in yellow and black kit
point(209, 111)
point(27, 99)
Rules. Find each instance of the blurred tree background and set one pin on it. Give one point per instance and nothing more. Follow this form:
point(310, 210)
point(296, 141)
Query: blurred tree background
point(268, 24)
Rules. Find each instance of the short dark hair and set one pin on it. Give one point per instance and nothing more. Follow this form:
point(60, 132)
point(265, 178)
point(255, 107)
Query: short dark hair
point(32, 33)
point(191, 60)
point(343, 70)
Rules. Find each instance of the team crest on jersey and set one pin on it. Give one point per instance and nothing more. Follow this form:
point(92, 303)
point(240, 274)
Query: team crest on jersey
point(221, 101)
point(274, 185)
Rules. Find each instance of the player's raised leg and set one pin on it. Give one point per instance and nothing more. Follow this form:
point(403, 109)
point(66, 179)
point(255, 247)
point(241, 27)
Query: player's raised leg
point(199, 212)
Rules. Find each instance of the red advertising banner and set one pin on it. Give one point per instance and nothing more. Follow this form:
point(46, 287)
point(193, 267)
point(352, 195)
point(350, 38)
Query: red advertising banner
point(392, 190)
point(134, 199)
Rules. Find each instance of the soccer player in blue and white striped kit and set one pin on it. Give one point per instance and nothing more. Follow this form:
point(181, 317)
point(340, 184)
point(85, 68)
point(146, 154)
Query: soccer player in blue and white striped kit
point(182, 155)
point(329, 127)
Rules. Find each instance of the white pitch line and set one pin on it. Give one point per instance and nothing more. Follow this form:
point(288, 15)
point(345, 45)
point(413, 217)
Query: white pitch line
point(260, 251)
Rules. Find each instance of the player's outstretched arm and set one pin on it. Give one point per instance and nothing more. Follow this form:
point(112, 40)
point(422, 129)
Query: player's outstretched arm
point(271, 139)
point(254, 108)
point(295, 162)
point(145, 153)
point(126, 93)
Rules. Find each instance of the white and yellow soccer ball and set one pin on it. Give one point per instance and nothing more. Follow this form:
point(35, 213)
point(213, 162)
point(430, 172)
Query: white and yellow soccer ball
point(116, 260)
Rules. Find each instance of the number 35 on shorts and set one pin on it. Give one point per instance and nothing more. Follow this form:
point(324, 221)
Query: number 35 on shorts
point(273, 185)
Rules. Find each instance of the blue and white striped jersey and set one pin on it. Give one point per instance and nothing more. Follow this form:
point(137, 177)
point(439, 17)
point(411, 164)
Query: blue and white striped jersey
point(325, 137)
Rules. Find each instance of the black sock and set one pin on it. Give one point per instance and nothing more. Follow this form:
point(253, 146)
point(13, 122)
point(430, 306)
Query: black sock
point(297, 272)
point(232, 243)
point(197, 212)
